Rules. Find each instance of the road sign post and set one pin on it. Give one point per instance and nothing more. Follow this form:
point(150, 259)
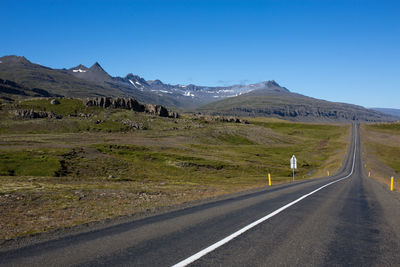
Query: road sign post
point(293, 174)
point(293, 164)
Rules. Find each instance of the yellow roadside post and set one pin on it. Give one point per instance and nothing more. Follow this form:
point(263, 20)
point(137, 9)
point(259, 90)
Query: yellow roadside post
point(328, 173)
point(391, 184)
point(269, 179)
point(369, 174)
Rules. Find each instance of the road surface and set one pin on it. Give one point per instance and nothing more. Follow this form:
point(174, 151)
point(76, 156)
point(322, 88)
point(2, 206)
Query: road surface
point(344, 220)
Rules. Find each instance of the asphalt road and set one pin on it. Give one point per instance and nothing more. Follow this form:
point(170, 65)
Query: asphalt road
point(342, 220)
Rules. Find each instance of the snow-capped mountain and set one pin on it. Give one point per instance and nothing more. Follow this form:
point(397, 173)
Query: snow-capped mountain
point(187, 95)
point(134, 81)
point(94, 74)
point(207, 93)
point(193, 94)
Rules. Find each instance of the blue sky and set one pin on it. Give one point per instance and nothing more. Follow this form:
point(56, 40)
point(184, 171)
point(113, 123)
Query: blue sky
point(338, 50)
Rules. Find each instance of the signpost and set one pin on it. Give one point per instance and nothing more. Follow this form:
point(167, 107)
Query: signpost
point(293, 164)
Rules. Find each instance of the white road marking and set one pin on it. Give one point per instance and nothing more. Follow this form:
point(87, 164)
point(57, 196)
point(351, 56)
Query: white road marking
point(207, 250)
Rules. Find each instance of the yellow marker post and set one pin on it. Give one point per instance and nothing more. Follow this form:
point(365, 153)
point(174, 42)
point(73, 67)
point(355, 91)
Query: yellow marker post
point(391, 184)
point(328, 173)
point(369, 174)
point(269, 179)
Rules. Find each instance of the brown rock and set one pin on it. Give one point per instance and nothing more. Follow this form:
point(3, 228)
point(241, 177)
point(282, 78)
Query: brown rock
point(54, 102)
point(130, 104)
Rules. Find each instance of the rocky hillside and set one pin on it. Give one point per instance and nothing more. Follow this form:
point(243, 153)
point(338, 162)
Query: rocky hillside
point(389, 111)
point(277, 101)
point(76, 82)
point(10, 89)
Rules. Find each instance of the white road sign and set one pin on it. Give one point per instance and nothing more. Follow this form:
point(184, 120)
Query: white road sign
point(293, 162)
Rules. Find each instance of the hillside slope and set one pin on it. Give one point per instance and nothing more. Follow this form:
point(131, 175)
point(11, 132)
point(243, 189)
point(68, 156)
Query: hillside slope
point(30, 75)
point(389, 111)
point(84, 82)
point(276, 101)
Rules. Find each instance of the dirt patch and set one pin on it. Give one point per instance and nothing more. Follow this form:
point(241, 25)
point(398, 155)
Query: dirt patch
point(40, 205)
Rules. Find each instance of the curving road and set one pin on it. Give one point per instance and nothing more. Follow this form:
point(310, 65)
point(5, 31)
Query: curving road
point(342, 220)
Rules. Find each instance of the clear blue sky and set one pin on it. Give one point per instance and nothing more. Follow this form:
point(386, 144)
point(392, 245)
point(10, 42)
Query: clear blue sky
point(339, 50)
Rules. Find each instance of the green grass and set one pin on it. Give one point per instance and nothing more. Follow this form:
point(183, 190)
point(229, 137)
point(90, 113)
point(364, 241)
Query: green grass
point(234, 139)
point(66, 106)
point(28, 163)
point(99, 120)
point(157, 164)
point(218, 150)
point(232, 156)
point(301, 129)
point(389, 155)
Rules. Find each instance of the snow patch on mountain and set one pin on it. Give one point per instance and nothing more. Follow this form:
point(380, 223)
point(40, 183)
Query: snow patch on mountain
point(188, 94)
point(79, 70)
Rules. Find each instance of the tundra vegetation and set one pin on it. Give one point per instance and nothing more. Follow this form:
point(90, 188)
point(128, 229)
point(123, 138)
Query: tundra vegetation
point(381, 143)
point(87, 164)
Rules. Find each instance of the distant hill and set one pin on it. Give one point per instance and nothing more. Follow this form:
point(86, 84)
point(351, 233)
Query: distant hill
point(275, 101)
point(389, 111)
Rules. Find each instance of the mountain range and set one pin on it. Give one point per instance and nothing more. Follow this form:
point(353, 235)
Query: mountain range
point(21, 78)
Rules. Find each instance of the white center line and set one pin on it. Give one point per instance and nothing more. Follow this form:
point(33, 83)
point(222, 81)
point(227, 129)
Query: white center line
point(207, 250)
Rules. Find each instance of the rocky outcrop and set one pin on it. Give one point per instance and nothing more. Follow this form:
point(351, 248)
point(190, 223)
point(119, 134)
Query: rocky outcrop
point(130, 104)
point(110, 102)
point(208, 118)
point(134, 124)
point(31, 114)
point(232, 119)
point(54, 102)
point(160, 111)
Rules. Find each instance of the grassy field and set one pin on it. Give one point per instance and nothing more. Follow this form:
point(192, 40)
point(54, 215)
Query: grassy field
point(381, 143)
point(93, 165)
